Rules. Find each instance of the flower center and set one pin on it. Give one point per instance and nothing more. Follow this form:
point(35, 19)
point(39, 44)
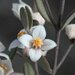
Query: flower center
point(4, 67)
point(37, 43)
point(20, 34)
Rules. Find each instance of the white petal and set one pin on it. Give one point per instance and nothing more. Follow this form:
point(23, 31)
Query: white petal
point(35, 54)
point(16, 73)
point(44, 53)
point(14, 44)
point(25, 40)
point(48, 44)
point(37, 16)
point(4, 55)
point(40, 32)
point(9, 66)
point(6, 62)
point(32, 29)
point(1, 71)
point(2, 47)
point(70, 31)
point(16, 9)
point(21, 46)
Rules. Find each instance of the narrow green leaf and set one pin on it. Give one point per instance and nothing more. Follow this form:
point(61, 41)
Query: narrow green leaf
point(61, 11)
point(42, 10)
point(24, 17)
point(44, 64)
point(62, 7)
point(49, 11)
point(28, 69)
point(71, 16)
point(29, 17)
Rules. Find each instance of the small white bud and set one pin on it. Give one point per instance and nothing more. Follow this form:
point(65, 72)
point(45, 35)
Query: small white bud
point(70, 31)
point(37, 16)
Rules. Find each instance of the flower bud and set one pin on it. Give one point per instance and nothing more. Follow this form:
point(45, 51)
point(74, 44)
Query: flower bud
point(37, 17)
point(70, 31)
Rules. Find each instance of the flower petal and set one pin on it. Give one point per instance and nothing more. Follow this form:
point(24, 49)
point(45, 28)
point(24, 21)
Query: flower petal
point(37, 16)
point(35, 55)
point(16, 73)
point(4, 55)
point(16, 9)
point(32, 29)
point(25, 40)
point(48, 44)
point(14, 44)
point(70, 31)
point(21, 46)
point(6, 62)
point(2, 47)
point(44, 53)
point(9, 66)
point(1, 71)
point(40, 32)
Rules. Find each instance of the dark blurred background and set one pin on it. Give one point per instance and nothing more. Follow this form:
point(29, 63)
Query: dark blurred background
point(10, 26)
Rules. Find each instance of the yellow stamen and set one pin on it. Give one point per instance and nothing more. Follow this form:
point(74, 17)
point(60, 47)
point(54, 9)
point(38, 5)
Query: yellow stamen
point(37, 43)
point(20, 34)
point(4, 67)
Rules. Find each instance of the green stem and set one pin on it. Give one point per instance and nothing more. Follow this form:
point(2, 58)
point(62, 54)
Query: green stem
point(65, 55)
point(56, 53)
point(36, 68)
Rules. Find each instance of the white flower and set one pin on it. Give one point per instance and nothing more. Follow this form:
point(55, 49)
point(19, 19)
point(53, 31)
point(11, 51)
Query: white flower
point(5, 65)
point(36, 43)
point(35, 15)
point(70, 31)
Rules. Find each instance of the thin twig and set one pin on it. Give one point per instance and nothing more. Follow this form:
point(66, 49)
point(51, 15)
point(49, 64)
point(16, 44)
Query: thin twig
point(62, 10)
point(36, 68)
point(65, 55)
point(56, 54)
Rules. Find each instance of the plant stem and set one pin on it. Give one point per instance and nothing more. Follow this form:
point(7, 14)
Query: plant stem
point(65, 55)
point(36, 68)
point(56, 53)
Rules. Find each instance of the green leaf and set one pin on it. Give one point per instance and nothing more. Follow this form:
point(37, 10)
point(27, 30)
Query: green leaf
point(29, 17)
point(24, 17)
point(61, 12)
point(44, 64)
point(70, 17)
point(28, 69)
point(12, 53)
point(62, 7)
point(42, 10)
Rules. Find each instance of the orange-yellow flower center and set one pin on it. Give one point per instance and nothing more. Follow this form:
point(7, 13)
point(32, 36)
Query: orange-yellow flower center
point(4, 67)
point(37, 43)
point(20, 34)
